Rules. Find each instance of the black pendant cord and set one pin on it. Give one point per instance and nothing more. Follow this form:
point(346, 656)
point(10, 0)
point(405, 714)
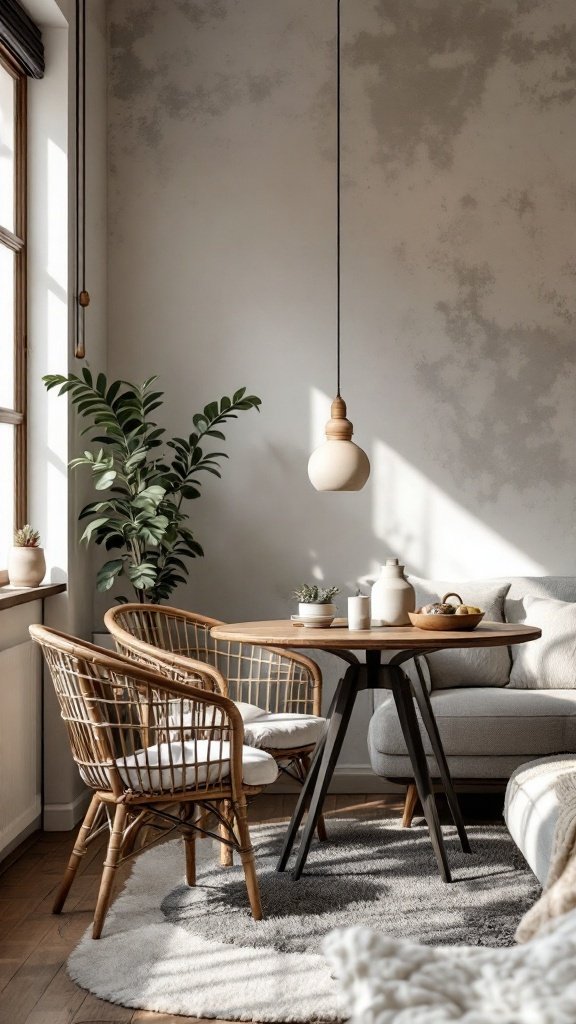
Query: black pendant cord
point(338, 177)
point(82, 296)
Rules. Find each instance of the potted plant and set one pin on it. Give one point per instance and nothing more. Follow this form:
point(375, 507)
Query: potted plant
point(26, 562)
point(316, 602)
point(144, 479)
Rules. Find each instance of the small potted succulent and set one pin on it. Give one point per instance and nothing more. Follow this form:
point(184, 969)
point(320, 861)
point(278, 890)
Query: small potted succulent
point(26, 562)
point(316, 602)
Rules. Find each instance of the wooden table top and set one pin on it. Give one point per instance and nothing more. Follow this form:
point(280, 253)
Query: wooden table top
point(283, 633)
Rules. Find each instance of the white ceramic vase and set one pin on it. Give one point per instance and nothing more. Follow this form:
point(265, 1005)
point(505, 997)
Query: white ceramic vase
point(26, 567)
point(392, 596)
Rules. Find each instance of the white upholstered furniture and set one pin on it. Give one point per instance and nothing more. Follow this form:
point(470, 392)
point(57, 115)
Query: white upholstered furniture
point(495, 713)
point(531, 809)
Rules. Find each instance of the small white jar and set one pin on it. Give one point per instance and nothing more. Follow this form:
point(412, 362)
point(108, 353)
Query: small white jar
point(359, 612)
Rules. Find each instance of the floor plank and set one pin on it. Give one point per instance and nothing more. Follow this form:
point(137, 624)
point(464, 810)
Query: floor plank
point(34, 945)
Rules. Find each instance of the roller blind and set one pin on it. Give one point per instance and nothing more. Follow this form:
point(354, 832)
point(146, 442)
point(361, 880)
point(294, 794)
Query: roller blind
point(22, 38)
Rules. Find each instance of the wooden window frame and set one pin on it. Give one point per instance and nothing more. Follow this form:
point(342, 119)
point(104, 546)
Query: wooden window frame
point(16, 242)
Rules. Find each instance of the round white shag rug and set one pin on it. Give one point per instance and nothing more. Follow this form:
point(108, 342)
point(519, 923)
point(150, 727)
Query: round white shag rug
point(197, 952)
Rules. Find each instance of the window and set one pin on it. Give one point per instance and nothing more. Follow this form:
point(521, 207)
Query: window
point(12, 303)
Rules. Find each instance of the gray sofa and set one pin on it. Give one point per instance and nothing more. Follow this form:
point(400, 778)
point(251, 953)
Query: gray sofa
point(490, 722)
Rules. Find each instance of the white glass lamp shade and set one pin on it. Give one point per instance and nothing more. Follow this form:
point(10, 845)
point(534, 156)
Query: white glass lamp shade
point(338, 464)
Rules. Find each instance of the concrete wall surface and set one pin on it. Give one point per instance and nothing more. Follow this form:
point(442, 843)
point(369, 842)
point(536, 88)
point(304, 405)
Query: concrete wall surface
point(458, 273)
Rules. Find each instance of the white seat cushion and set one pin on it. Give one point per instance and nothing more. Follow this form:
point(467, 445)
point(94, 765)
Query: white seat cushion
point(284, 731)
point(280, 730)
point(250, 712)
point(166, 767)
point(531, 809)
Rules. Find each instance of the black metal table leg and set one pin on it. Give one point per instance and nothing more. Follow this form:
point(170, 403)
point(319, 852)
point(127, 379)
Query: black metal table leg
point(305, 793)
point(303, 800)
point(339, 719)
point(431, 726)
point(407, 714)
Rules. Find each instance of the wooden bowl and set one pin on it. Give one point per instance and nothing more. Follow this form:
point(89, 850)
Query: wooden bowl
point(445, 622)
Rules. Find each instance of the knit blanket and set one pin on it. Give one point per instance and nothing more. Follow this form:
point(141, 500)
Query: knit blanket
point(559, 895)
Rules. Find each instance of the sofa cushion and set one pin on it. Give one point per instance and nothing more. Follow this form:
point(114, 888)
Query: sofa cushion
point(561, 588)
point(550, 662)
point(488, 721)
point(462, 767)
point(480, 666)
point(531, 809)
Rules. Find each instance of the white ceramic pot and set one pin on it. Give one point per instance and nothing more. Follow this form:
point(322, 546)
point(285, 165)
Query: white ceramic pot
point(392, 596)
point(316, 611)
point(26, 567)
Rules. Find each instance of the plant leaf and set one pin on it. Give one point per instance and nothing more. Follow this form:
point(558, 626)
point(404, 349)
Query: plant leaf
point(106, 576)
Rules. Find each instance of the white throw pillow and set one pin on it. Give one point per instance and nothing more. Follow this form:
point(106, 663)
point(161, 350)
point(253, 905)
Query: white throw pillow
point(479, 666)
point(550, 662)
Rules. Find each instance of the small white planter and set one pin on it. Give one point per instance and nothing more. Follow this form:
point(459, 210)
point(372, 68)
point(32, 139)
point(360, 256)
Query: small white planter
point(316, 611)
point(26, 567)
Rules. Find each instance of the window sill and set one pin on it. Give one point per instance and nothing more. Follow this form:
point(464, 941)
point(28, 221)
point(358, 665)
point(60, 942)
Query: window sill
point(11, 596)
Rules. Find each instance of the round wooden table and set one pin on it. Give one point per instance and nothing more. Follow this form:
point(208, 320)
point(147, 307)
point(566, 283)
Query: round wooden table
point(408, 642)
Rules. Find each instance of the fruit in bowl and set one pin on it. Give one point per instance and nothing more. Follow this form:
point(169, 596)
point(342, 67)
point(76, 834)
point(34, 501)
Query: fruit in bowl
point(438, 608)
point(445, 615)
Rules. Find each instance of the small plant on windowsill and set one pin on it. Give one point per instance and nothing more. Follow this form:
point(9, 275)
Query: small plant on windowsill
point(145, 479)
point(26, 562)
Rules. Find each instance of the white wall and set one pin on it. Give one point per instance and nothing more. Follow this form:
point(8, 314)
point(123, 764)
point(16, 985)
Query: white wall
point(55, 495)
point(458, 278)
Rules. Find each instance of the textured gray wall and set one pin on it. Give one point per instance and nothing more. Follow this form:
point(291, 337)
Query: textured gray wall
point(459, 217)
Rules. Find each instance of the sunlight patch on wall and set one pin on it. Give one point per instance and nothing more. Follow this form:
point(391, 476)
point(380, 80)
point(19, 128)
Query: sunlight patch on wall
point(319, 415)
point(431, 532)
point(57, 190)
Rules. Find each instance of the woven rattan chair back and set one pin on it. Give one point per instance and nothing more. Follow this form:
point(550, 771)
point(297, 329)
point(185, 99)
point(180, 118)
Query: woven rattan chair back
point(143, 743)
point(171, 639)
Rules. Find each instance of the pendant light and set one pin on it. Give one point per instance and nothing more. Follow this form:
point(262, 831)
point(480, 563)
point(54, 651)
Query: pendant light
point(338, 464)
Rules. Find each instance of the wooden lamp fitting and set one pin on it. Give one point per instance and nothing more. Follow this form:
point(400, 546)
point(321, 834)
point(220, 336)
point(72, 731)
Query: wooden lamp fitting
point(339, 428)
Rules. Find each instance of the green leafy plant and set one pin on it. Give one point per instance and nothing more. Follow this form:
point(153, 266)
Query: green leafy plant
point(144, 478)
point(315, 595)
point(26, 537)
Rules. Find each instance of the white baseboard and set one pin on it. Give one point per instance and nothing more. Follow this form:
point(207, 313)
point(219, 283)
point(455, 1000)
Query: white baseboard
point(26, 823)
point(347, 778)
point(63, 817)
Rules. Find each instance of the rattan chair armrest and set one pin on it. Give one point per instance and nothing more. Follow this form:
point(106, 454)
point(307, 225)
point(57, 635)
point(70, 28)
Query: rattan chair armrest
point(86, 651)
point(178, 662)
point(146, 677)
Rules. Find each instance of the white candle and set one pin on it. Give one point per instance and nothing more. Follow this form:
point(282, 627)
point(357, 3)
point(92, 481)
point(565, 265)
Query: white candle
point(359, 612)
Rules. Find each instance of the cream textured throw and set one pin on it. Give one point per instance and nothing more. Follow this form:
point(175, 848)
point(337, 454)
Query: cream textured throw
point(559, 895)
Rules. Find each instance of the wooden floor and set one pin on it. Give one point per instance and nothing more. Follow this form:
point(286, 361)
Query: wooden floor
point(34, 944)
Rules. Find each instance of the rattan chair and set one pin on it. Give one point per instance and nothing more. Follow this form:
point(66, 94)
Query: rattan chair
point(286, 687)
point(156, 753)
